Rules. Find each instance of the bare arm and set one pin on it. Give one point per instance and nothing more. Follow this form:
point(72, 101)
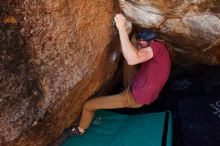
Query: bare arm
point(131, 54)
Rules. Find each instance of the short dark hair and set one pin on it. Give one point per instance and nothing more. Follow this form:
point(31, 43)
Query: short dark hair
point(146, 35)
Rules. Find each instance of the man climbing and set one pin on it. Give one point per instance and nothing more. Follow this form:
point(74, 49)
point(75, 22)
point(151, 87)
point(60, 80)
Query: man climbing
point(146, 85)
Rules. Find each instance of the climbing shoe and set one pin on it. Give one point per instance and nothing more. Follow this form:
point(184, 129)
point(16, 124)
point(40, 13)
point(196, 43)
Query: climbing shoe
point(76, 131)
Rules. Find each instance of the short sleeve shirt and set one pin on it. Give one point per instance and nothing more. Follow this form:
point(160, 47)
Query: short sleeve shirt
point(152, 75)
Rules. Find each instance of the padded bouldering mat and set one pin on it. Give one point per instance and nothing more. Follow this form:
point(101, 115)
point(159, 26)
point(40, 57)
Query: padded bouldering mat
point(113, 129)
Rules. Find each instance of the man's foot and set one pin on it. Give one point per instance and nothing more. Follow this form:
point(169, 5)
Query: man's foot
point(77, 131)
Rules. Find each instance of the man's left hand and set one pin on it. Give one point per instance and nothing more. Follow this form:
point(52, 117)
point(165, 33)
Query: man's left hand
point(120, 21)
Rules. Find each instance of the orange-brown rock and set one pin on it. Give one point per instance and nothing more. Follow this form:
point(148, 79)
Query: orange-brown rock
point(54, 56)
point(193, 27)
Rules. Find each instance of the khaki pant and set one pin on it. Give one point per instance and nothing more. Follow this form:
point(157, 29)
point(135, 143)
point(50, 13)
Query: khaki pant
point(121, 100)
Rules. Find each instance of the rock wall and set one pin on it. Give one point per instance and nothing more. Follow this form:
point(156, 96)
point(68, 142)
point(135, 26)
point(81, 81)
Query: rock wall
point(54, 55)
point(193, 27)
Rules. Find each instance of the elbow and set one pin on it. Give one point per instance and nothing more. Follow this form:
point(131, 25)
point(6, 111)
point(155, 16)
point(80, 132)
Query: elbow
point(131, 62)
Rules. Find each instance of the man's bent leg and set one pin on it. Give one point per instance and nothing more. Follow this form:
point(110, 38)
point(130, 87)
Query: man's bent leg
point(104, 102)
point(122, 100)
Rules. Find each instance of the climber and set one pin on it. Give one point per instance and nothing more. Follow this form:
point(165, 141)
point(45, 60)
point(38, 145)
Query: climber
point(145, 86)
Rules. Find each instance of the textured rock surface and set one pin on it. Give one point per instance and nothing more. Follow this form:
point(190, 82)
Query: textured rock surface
point(54, 55)
point(193, 26)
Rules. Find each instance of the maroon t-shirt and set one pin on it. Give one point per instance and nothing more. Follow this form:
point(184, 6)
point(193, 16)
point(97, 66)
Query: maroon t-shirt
point(152, 76)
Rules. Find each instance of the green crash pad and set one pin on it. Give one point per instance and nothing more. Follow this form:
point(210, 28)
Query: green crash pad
point(113, 129)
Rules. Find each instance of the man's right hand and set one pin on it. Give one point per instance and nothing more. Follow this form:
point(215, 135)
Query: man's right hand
point(119, 21)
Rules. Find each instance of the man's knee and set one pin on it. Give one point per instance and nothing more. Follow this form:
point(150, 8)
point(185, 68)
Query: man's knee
point(88, 106)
